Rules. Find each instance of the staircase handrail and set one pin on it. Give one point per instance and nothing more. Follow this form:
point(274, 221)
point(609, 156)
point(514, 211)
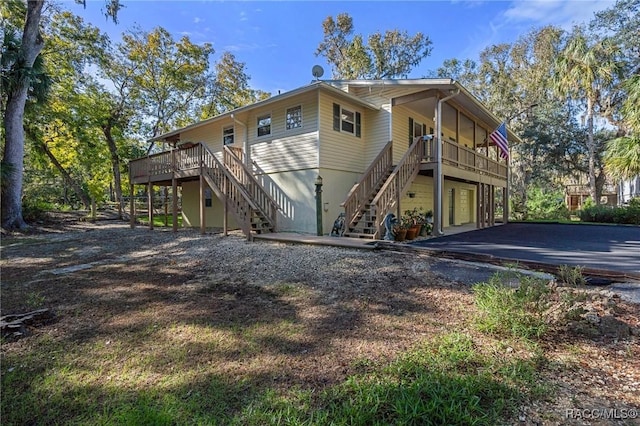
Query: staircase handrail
point(264, 201)
point(234, 186)
point(398, 182)
point(355, 201)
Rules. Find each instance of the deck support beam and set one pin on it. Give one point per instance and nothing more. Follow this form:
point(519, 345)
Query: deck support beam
point(132, 207)
point(174, 192)
point(150, 204)
point(203, 225)
point(492, 205)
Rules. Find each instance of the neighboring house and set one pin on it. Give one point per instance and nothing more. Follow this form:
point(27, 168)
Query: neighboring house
point(368, 140)
point(628, 189)
point(577, 194)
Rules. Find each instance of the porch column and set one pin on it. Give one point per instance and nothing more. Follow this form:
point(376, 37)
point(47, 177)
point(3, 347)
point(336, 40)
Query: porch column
point(483, 205)
point(150, 204)
point(505, 205)
point(437, 172)
point(174, 191)
point(478, 205)
point(166, 206)
point(492, 205)
point(132, 207)
point(203, 225)
point(225, 216)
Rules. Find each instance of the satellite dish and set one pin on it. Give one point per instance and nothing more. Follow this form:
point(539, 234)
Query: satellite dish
point(317, 71)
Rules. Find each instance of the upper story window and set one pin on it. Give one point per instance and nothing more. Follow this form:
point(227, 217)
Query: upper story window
point(347, 121)
point(227, 135)
point(294, 117)
point(264, 125)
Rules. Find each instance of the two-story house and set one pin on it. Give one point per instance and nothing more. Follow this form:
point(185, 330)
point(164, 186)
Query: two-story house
point(379, 146)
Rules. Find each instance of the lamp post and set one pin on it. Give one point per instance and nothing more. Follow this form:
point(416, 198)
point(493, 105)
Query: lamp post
point(319, 204)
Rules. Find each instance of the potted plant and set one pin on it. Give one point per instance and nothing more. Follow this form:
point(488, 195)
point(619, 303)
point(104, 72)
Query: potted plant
point(414, 220)
point(427, 224)
point(400, 230)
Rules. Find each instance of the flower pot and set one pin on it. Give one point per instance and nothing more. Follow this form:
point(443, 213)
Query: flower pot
point(401, 234)
point(412, 232)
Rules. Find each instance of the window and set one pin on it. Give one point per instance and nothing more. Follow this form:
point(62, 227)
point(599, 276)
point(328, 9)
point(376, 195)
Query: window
point(294, 117)
point(227, 135)
point(416, 130)
point(208, 197)
point(347, 121)
point(264, 125)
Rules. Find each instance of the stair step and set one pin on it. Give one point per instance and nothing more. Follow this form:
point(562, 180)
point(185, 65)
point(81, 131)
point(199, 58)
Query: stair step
point(356, 235)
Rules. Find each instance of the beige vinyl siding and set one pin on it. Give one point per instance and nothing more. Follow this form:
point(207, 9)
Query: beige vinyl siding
point(214, 215)
point(422, 187)
point(285, 150)
point(341, 150)
point(464, 202)
point(211, 134)
point(401, 116)
point(376, 134)
point(382, 95)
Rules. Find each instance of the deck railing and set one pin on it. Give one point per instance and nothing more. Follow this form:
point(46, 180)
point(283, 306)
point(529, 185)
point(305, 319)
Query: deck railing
point(227, 176)
point(362, 192)
point(398, 182)
point(465, 158)
point(257, 192)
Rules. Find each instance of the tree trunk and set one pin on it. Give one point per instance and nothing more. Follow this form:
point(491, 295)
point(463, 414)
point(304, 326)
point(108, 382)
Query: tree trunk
point(115, 165)
point(593, 191)
point(77, 189)
point(30, 48)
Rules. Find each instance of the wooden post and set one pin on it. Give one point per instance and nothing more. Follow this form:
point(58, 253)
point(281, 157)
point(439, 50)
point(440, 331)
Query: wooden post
point(166, 206)
point(505, 205)
point(132, 208)
point(492, 205)
point(483, 206)
point(225, 202)
point(478, 204)
point(174, 192)
point(203, 225)
point(150, 204)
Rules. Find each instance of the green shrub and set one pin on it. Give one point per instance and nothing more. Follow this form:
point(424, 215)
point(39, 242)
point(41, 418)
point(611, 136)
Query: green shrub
point(629, 215)
point(518, 312)
point(546, 205)
point(571, 275)
point(35, 210)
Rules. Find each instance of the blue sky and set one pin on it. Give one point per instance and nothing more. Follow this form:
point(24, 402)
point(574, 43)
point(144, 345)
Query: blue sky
point(277, 40)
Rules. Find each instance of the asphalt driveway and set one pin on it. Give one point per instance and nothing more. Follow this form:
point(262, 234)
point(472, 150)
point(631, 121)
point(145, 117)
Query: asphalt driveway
point(614, 249)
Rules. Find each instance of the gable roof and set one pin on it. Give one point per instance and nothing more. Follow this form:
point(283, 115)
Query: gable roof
point(445, 85)
point(341, 88)
point(316, 85)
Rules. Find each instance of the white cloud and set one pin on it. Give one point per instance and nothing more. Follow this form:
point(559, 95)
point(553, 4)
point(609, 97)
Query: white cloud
point(243, 16)
point(248, 46)
point(561, 13)
point(197, 20)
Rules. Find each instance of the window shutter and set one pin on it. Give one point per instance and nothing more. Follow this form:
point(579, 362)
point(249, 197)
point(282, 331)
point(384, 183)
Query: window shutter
point(336, 117)
point(410, 131)
point(358, 125)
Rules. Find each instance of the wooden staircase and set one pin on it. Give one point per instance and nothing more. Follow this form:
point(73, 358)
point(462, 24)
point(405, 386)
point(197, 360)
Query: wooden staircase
point(380, 190)
point(232, 182)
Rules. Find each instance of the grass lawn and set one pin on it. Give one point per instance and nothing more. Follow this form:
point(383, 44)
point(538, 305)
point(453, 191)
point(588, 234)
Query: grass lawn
point(175, 329)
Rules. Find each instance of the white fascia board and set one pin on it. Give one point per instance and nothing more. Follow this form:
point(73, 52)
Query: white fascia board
point(316, 85)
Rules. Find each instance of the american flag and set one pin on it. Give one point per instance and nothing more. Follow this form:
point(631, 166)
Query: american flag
point(499, 137)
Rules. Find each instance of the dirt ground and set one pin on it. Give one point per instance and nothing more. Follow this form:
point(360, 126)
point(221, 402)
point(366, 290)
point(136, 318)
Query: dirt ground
point(330, 307)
